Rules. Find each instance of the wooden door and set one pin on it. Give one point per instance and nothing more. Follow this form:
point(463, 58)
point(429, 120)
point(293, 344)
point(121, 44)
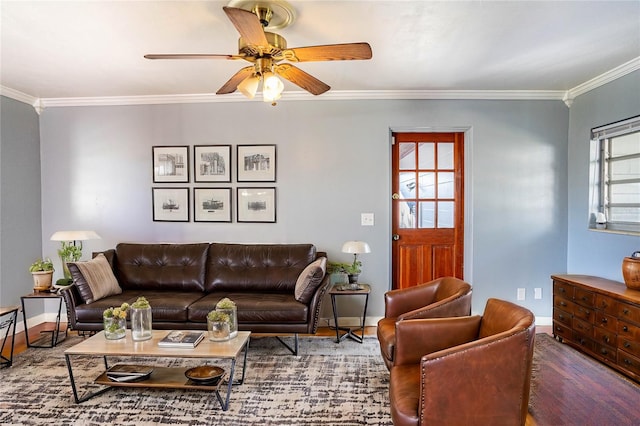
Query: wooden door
point(428, 207)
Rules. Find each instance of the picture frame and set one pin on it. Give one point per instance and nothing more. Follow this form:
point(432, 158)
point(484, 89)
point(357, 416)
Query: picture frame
point(256, 204)
point(256, 163)
point(170, 204)
point(212, 204)
point(212, 163)
point(170, 164)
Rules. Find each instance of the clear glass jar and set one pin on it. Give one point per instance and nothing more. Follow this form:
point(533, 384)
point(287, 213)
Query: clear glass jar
point(114, 328)
point(233, 320)
point(218, 330)
point(141, 322)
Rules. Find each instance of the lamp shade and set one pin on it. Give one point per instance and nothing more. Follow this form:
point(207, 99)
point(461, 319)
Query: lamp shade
point(249, 86)
point(356, 247)
point(74, 236)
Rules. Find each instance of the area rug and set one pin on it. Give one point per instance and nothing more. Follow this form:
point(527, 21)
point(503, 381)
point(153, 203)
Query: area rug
point(568, 388)
point(326, 384)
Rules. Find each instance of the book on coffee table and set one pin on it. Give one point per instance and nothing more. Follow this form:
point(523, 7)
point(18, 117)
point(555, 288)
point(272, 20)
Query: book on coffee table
point(128, 373)
point(182, 339)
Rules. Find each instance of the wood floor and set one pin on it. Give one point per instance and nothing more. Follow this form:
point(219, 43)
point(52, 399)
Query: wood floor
point(34, 333)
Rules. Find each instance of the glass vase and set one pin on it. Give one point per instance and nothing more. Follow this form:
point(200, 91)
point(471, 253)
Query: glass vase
point(141, 324)
point(218, 330)
point(114, 328)
point(233, 320)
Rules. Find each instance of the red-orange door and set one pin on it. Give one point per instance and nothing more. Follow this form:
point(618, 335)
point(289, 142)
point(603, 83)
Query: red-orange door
point(428, 207)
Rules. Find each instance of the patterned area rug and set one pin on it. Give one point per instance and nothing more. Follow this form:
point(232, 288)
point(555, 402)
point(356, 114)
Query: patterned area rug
point(327, 384)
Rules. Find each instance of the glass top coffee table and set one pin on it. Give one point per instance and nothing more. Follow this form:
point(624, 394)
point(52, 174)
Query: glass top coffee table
point(161, 377)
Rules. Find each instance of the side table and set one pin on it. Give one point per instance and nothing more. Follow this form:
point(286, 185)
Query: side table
point(12, 312)
point(55, 333)
point(346, 290)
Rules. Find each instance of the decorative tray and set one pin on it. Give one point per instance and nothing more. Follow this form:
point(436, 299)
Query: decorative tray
point(204, 374)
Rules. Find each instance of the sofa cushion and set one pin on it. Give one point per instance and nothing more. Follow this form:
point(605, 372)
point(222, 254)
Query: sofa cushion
point(94, 279)
point(161, 267)
point(309, 280)
point(256, 267)
point(254, 308)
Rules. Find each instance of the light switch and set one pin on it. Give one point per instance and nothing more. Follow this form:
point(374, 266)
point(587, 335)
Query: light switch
point(366, 219)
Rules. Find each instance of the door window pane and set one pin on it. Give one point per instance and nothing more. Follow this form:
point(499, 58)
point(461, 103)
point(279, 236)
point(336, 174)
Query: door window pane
point(427, 214)
point(407, 212)
point(408, 185)
point(427, 185)
point(407, 156)
point(445, 214)
point(426, 156)
point(445, 156)
point(445, 185)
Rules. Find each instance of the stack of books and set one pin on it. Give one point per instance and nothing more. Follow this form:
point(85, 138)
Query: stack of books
point(181, 339)
point(128, 373)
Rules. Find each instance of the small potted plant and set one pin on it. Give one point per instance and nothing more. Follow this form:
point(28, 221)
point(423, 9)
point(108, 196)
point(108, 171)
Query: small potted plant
point(228, 306)
point(115, 322)
point(42, 272)
point(68, 253)
point(351, 269)
point(218, 326)
point(141, 319)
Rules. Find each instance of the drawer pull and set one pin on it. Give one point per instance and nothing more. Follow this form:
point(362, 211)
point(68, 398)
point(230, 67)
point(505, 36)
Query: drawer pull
point(628, 362)
point(604, 320)
point(626, 344)
point(561, 290)
point(561, 316)
point(604, 351)
point(625, 311)
point(625, 328)
point(606, 339)
point(563, 304)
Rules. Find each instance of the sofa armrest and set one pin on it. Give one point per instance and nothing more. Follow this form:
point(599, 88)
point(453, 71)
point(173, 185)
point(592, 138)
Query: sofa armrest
point(315, 304)
point(72, 298)
point(416, 338)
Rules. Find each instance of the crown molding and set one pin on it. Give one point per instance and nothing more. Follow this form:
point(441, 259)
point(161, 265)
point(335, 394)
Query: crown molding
point(566, 96)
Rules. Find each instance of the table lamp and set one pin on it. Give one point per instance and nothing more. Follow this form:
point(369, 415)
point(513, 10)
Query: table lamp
point(356, 248)
point(71, 250)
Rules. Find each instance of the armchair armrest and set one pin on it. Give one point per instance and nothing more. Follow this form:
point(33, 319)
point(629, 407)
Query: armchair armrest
point(456, 305)
point(397, 302)
point(416, 338)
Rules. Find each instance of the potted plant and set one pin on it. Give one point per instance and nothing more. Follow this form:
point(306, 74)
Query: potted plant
point(141, 320)
point(68, 253)
point(351, 269)
point(218, 326)
point(228, 306)
point(115, 322)
point(42, 272)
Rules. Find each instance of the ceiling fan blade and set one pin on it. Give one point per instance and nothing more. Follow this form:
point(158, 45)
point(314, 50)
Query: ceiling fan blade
point(248, 25)
point(231, 85)
point(329, 52)
point(302, 79)
point(191, 56)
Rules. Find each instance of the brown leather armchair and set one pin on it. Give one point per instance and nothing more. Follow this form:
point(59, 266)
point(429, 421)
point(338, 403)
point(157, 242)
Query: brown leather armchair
point(464, 371)
point(442, 297)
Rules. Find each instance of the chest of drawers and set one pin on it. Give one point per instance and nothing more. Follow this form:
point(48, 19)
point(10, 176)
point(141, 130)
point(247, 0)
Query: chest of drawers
point(599, 317)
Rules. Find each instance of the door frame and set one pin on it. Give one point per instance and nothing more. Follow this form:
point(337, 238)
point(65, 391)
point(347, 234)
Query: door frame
point(468, 192)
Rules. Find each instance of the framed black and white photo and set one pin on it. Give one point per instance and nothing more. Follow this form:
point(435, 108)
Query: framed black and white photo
point(170, 164)
point(212, 204)
point(212, 163)
point(170, 204)
point(256, 163)
point(256, 204)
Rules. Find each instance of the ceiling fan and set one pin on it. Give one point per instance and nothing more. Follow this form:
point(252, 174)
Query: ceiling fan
point(268, 52)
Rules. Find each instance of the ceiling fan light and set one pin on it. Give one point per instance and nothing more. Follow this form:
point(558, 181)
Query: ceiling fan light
point(272, 87)
point(249, 86)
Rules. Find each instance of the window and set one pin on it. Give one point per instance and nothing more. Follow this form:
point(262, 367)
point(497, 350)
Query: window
point(616, 171)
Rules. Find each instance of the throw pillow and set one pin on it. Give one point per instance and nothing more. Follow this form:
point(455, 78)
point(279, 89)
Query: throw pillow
point(309, 280)
point(94, 278)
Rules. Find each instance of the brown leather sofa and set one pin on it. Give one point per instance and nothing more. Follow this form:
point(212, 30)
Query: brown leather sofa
point(183, 282)
point(442, 297)
point(472, 370)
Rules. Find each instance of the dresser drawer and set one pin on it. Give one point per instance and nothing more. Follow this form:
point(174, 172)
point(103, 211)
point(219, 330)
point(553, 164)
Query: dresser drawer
point(563, 303)
point(584, 313)
point(605, 337)
point(630, 346)
point(628, 331)
point(629, 312)
point(584, 297)
point(606, 352)
point(583, 342)
point(583, 327)
point(561, 330)
point(606, 304)
point(629, 362)
point(607, 322)
point(562, 317)
point(562, 289)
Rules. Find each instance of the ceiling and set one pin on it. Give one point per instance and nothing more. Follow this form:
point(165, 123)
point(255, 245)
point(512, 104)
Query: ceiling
point(57, 50)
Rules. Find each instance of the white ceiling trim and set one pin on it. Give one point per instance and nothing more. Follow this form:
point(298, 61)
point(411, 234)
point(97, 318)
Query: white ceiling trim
point(567, 96)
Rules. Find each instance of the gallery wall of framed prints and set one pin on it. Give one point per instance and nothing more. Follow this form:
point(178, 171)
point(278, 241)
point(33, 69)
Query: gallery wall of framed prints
point(209, 198)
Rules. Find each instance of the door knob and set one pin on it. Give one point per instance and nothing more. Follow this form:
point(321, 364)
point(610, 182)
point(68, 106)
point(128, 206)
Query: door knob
point(396, 196)
point(396, 237)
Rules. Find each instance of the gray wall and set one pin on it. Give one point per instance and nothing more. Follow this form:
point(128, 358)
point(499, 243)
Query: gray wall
point(596, 252)
point(20, 217)
point(333, 164)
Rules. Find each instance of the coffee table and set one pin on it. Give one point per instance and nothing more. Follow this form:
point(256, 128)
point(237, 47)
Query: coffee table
point(162, 377)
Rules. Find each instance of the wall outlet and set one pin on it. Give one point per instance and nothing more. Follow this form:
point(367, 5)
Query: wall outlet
point(521, 293)
point(366, 219)
point(537, 293)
